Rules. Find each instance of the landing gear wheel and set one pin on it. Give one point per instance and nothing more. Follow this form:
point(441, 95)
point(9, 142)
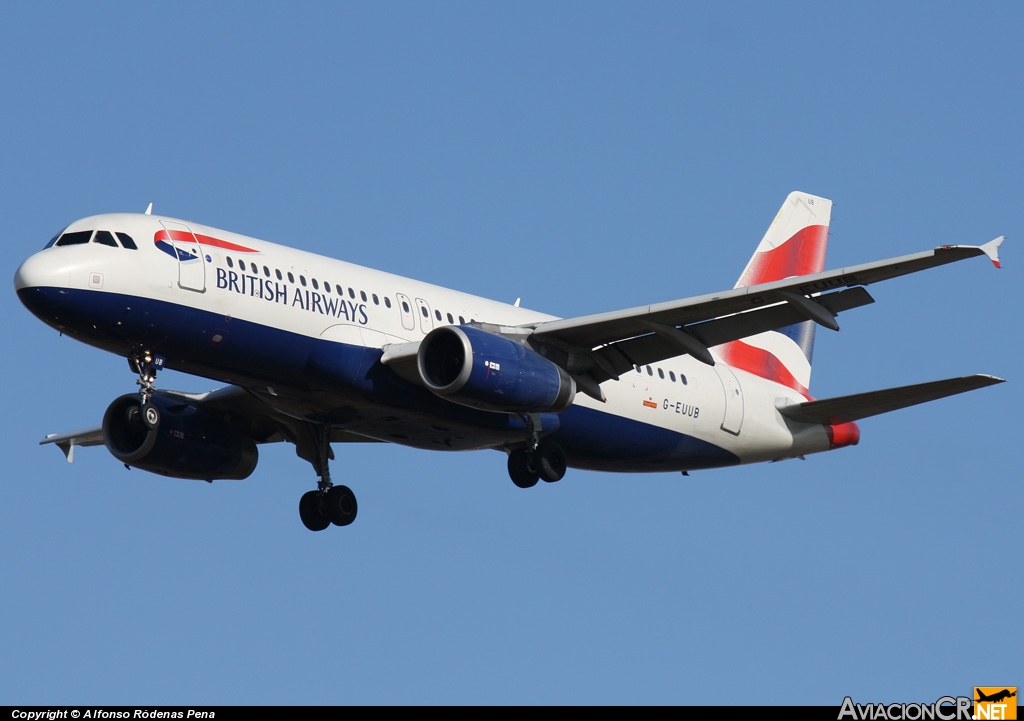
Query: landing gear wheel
point(150, 415)
point(340, 505)
point(551, 462)
point(310, 512)
point(522, 468)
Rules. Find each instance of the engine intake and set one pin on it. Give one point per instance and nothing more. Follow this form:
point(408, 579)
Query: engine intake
point(475, 368)
point(188, 442)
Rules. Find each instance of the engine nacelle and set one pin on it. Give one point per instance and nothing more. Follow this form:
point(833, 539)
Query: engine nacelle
point(475, 368)
point(188, 442)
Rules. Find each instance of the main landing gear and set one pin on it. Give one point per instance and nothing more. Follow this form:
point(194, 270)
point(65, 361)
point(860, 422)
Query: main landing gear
point(536, 461)
point(328, 503)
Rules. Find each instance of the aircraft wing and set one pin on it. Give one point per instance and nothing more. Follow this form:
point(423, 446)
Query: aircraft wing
point(605, 345)
point(249, 415)
point(68, 441)
point(843, 409)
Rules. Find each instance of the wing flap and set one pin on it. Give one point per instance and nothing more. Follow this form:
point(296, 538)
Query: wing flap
point(844, 409)
point(622, 355)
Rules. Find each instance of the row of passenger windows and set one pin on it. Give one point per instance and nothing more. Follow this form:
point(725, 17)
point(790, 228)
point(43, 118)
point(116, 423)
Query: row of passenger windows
point(250, 267)
point(255, 270)
point(103, 237)
point(661, 374)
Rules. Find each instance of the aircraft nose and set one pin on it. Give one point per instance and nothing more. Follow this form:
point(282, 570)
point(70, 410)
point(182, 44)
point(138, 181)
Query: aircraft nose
point(44, 269)
point(40, 281)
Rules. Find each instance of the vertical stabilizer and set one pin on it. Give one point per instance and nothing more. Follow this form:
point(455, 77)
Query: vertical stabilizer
point(794, 245)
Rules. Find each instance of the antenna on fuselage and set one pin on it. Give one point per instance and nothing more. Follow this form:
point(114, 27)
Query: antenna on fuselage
point(149, 210)
point(517, 302)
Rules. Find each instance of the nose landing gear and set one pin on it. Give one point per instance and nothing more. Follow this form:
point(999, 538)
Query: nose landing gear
point(145, 364)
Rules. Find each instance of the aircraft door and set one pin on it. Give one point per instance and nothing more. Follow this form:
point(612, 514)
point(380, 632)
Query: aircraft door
point(426, 322)
point(191, 263)
point(733, 419)
point(405, 308)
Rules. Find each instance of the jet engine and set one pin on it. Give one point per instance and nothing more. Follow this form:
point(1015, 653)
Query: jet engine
point(483, 370)
point(174, 438)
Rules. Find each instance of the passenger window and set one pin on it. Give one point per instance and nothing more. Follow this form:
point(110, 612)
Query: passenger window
point(126, 241)
point(462, 321)
point(316, 286)
point(649, 371)
point(351, 294)
point(437, 314)
point(327, 287)
point(661, 374)
point(387, 301)
point(639, 370)
point(277, 272)
point(375, 300)
point(291, 278)
point(362, 294)
point(80, 237)
point(405, 306)
point(423, 309)
point(231, 263)
point(302, 279)
point(672, 376)
point(103, 237)
point(266, 271)
point(450, 319)
point(682, 379)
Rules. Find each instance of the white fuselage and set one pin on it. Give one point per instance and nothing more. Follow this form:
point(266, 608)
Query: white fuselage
point(240, 310)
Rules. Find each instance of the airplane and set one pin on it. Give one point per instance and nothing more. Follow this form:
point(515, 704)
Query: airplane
point(315, 351)
point(996, 697)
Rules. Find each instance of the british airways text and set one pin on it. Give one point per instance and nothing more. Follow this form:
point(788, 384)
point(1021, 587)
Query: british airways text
point(278, 292)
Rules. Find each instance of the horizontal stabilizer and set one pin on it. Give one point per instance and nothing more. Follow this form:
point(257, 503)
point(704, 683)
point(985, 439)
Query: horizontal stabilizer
point(844, 409)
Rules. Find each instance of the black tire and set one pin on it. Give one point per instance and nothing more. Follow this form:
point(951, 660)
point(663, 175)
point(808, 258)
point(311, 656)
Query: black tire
point(340, 505)
point(309, 511)
point(149, 414)
point(522, 468)
point(551, 462)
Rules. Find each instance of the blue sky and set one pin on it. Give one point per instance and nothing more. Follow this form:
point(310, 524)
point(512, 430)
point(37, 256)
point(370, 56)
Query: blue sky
point(585, 157)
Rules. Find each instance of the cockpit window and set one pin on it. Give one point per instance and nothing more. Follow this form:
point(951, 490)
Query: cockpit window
point(126, 241)
point(77, 238)
point(54, 238)
point(103, 237)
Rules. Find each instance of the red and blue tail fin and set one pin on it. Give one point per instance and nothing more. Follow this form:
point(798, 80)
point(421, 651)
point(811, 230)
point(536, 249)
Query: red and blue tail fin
point(794, 245)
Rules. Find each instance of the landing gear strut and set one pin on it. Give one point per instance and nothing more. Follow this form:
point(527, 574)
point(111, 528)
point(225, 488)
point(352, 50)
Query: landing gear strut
point(145, 364)
point(536, 461)
point(328, 503)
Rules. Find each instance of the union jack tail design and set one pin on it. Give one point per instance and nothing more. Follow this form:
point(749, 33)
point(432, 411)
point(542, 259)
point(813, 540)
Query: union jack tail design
point(794, 245)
